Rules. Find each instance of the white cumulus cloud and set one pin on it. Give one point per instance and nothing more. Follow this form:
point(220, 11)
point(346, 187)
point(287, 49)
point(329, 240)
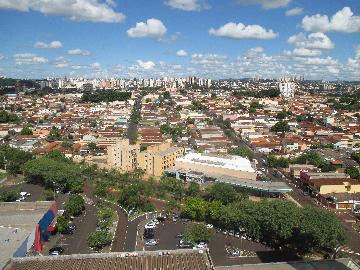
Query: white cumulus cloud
point(75, 10)
point(78, 52)
point(52, 45)
point(29, 59)
point(342, 21)
point(317, 61)
point(241, 31)
point(152, 28)
point(95, 65)
point(187, 5)
point(266, 4)
point(312, 41)
point(181, 53)
point(146, 64)
point(294, 11)
point(304, 52)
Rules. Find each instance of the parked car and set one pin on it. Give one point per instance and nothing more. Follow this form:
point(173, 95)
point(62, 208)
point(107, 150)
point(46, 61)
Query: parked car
point(20, 199)
point(151, 242)
point(150, 225)
point(180, 235)
point(55, 251)
point(175, 218)
point(184, 244)
point(25, 194)
point(149, 233)
point(209, 226)
point(185, 220)
point(156, 221)
point(72, 226)
point(161, 219)
point(200, 245)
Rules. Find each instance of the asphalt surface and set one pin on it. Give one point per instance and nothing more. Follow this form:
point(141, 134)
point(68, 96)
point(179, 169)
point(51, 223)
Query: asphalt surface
point(121, 231)
point(131, 233)
point(256, 252)
point(85, 224)
point(35, 191)
point(132, 129)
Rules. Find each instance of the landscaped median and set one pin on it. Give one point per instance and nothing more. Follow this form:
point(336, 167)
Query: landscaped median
point(101, 239)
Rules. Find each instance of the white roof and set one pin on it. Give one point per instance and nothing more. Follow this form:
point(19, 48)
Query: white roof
point(228, 162)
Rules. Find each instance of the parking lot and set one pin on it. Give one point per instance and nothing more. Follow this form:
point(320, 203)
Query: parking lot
point(252, 252)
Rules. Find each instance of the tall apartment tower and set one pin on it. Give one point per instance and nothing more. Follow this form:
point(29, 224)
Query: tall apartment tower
point(122, 155)
point(287, 88)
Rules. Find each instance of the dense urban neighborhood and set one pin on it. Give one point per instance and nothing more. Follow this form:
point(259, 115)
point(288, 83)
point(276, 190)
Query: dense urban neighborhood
point(230, 172)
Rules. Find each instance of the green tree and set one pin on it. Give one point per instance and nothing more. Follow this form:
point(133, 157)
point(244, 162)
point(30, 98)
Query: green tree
point(173, 186)
point(283, 114)
point(196, 233)
point(356, 156)
point(280, 162)
point(9, 196)
point(15, 158)
point(319, 229)
point(57, 156)
point(92, 146)
point(75, 206)
point(242, 152)
point(54, 134)
point(214, 212)
point(222, 192)
point(353, 172)
point(98, 240)
point(165, 129)
point(172, 205)
point(54, 173)
point(281, 126)
point(62, 224)
point(26, 131)
point(193, 189)
point(6, 117)
point(194, 208)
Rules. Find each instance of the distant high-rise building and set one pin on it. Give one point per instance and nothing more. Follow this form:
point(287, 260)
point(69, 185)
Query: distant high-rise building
point(287, 88)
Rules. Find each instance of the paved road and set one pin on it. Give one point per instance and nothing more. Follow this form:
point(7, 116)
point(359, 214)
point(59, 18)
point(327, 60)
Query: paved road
point(85, 224)
point(121, 230)
point(131, 234)
point(133, 126)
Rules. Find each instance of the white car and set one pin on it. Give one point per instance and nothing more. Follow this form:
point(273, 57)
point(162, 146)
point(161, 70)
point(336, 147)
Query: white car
point(150, 225)
point(25, 194)
point(209, 226)
point(200, 245)
point(155, 221)
point(151, 242)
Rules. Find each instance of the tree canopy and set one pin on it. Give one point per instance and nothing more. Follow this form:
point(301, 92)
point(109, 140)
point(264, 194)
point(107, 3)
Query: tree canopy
point(54, 173)
point(281, 126)
point(241, 151)
point(196, 233)
point(14, 159)
point(279, 223)
point(6, 117)
point(105, 96)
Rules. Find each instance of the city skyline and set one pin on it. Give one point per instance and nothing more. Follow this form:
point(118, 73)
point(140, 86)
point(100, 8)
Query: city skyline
point(178, 38)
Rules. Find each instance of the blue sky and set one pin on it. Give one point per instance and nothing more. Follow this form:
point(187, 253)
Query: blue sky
point(319, 39)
